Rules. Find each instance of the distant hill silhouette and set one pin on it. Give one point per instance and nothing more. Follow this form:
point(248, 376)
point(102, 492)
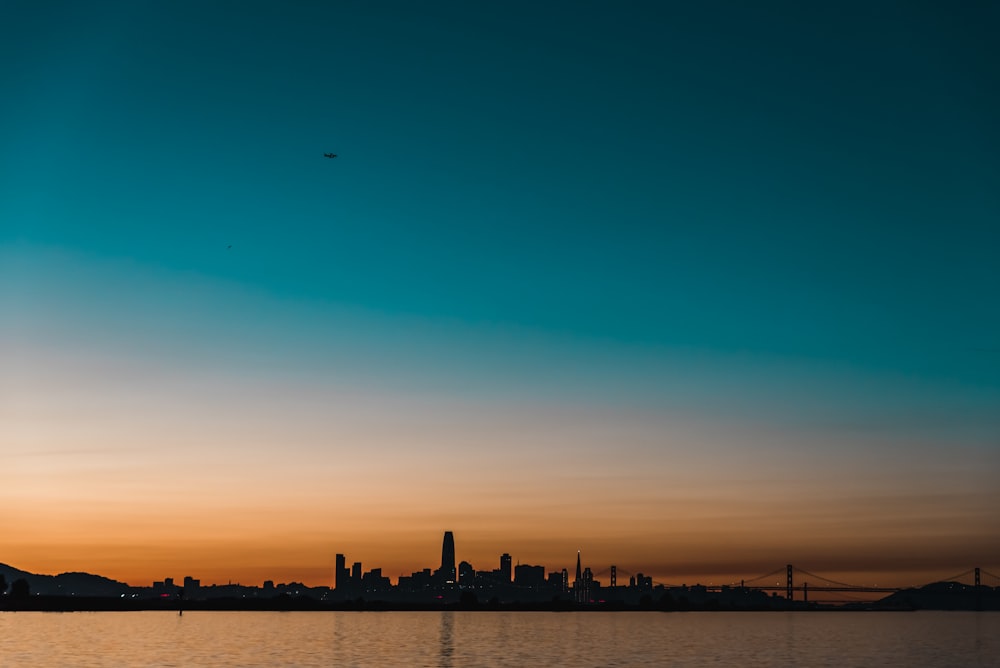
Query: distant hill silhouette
point(944, 596)
point(66, 584)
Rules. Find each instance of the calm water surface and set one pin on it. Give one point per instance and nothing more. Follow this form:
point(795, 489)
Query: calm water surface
point(491, 639)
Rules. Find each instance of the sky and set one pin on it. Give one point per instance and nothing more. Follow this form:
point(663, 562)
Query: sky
point(699, 289)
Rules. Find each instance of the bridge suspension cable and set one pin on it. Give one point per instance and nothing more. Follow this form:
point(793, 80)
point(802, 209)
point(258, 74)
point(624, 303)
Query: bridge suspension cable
point(991, 576)
point(827, 580)
point(958, 576)
point(750, 581)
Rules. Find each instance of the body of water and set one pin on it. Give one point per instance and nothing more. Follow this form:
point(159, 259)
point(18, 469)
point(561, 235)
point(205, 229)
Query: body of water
point(492, 639)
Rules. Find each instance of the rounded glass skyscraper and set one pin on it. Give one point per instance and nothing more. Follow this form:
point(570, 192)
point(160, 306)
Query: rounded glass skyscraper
point(447, 570)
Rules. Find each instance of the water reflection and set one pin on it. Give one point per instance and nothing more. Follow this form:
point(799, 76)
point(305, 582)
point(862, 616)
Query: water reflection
point(446, 643)
point(338, 641)
point(978, 649)
point(498, 640)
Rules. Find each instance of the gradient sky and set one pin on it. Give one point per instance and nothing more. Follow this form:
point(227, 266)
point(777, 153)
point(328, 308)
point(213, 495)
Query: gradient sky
point(696, 288)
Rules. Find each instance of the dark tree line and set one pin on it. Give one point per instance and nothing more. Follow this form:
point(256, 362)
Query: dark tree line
point(19, 588)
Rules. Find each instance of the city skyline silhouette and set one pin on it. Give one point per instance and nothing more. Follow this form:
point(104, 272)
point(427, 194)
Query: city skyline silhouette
point(513, 587)
point(351, 579)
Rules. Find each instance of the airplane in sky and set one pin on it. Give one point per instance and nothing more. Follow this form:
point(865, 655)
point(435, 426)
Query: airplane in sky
point(329, 155)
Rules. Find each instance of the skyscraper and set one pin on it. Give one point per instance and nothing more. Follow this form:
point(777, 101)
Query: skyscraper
point(466, 574)
point(578, 588)
point(505, 568)
point(447, 571)
point(341, 574)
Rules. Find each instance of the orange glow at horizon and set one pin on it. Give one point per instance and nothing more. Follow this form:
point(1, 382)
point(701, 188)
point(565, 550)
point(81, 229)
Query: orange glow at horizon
point(293, 537)
point(137, 471)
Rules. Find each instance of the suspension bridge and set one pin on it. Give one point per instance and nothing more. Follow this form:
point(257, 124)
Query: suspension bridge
point(804, 585)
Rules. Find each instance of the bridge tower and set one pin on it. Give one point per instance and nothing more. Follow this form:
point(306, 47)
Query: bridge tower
point(788, 584)
point(614, 577)
point(979, 592)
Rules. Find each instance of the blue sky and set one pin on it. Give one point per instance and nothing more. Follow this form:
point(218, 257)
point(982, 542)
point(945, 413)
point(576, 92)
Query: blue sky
point(781, 218)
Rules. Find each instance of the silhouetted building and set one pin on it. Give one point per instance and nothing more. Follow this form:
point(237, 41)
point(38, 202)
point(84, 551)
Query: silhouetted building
point(165, 588)
point(416, 581)
point(341, 575)
point(529, 576)
point(466, 574)
point(589, 586)
point(505, 567)
point(373, 581)
point(489, 579)
point(192, 587)
point(642, 582)
point(578, 595)
point(447, 571)
point(584, 585)
point(356, 576)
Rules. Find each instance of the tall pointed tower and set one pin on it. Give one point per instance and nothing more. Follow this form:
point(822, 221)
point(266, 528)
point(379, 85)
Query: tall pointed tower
point(578, 582)
point(448, 557)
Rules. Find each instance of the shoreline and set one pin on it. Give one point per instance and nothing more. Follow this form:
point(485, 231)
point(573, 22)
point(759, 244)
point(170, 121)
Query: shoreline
point(100, 604)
